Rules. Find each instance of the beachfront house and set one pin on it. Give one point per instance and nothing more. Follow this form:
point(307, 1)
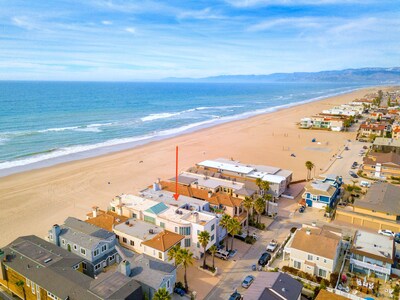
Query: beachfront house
point(172, 218)
point(274, 286)
point(372, 253)
point(378, 209)
point(219, 203)
point(314, 250)
point(341, 111)
point(147, 238)
point(235, 171)
point(47, 271)
point(323, 122)
point(382, 165)
point(104, 219)
point(90, 242)
point(322, 191)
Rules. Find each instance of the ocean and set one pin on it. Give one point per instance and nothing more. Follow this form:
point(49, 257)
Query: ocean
point(45, 123)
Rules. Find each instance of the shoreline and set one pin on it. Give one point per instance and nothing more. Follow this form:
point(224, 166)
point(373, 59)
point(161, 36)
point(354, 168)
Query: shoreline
point(34, 200)
point(115, 145)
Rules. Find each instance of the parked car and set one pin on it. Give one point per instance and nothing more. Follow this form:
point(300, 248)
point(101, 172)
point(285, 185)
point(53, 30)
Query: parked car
point(247, 281)
point(346, 148)
point(338, 157)
point(302, 209)
point(271, 247)
point(179, 291)
point(386, 232)
point(221, 253)
point(365, 147)
point(364, 183)
point(397, 237)
point(352, 174)
point(264, 259)
point(235, 296)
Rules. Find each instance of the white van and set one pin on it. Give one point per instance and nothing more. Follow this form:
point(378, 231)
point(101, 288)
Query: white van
point(365, 183)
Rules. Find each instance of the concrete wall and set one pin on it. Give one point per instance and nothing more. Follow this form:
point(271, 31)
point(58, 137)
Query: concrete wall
point(366, 221)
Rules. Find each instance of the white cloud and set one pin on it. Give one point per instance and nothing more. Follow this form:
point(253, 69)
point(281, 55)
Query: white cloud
point(251, 3)
point(131, 30)
point(199, 14)
point(291, 22)
point(106, 22)
point(24, 22)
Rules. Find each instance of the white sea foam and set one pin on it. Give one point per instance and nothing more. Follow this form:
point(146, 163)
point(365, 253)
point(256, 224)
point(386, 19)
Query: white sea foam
point(3, 140)
point(153, 117)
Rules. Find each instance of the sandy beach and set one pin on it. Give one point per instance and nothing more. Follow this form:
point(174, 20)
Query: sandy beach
point(32, 201)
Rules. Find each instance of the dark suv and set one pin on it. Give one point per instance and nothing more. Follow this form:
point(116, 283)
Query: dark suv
point(264, 259)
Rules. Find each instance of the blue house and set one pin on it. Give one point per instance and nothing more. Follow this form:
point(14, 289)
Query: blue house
point(322, 191)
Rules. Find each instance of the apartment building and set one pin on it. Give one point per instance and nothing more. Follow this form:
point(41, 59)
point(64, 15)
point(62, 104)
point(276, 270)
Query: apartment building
point(382, 165)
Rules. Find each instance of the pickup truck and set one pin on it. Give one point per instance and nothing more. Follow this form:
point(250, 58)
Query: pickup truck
point(271, 247)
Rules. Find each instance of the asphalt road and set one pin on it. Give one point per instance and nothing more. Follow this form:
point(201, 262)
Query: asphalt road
point(342, 166)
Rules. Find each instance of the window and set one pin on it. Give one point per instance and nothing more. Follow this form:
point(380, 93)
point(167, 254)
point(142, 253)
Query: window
point(75, 247)
point(198, 231)
point(63, 241)
point(96, 267)
point(198, 245)
point(33, 288)
point(212, 227)
point(317, 258)
point(83, 251)
point(168, 283)
point(309, 257)
point(187, 242)
point(212, 237)
point(51, 236)
point(28, 282)
point(111, 258)
point(162, 224)
point(84, 265)
point(321, 273)
point(75, 267)
point(124, 240)
point(37, 292)
point(96, 252)
point(176, 229)
point(324, 260)
point(117, 237)
point(150, 219)
point(103, 248)
point(297, 264)
point(52, 296)
point(134, 215)
point(132, 243)
point(184, 230)
point(159, 255)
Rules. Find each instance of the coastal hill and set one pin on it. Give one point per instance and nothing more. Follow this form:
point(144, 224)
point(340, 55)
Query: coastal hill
point(371, 75)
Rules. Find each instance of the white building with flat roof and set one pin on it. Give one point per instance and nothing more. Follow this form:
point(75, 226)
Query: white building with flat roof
point(279, 179)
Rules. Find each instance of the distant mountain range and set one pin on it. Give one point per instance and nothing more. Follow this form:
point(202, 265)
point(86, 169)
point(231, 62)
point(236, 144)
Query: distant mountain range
point(364, 75)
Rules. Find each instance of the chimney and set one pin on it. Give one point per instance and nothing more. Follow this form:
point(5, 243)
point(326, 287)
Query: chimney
point(314, 224)
point(55, 231)
point(196, 215)
point(119, 210)
point(95, 209)
point(308, 231)
point(209, 194)
point(156, 186)
point(119, 200)
point(125, 268)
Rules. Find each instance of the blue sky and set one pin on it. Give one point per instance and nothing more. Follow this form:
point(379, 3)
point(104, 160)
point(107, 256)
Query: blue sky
point(133, 40)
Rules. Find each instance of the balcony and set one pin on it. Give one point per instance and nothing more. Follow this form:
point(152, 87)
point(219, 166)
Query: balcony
point(369, 266)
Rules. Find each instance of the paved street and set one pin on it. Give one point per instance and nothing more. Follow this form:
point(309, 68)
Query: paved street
point(342, 166)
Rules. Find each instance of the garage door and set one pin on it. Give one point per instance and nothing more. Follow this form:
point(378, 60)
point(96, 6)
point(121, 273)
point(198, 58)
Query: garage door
point(371, 224)
point(357, 221)
point(343, 218)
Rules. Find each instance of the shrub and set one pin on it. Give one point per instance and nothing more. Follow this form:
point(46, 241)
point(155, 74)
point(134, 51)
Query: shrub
point(250, 240)
point(179, 285)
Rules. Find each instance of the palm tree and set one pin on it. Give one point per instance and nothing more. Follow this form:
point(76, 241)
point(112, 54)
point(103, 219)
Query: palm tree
point(186, 259)
point(248, 205)
point(21, 284)
point(173, 254)
point(224, 223)
point(309, 166)
point(234, 228)
point(262, 185)
point(213, 249)
point(204, 238)
point(162, 294)
point(259, 206)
